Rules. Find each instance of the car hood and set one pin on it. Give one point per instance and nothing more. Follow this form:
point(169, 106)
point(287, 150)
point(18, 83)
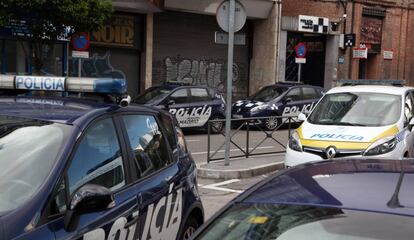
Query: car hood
point(248, 103)
point(344, 137)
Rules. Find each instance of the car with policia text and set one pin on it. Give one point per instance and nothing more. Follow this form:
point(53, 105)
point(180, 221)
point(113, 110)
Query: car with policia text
point(192, 106)
point(358, 120)
point(278, 102)
point(91, 167)
point(347, 199)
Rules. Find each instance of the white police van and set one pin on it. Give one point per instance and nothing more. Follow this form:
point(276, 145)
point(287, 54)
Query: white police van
point(358, 120)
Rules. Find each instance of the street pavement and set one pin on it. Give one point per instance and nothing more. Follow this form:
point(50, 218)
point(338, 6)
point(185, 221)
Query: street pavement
point(217, 193)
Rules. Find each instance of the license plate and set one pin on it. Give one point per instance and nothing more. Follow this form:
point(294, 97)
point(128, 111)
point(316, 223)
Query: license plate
point(237, 116)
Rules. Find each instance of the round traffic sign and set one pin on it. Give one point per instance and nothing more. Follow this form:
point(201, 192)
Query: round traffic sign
point(80, 41)
point(300, 50)
point(223, 12)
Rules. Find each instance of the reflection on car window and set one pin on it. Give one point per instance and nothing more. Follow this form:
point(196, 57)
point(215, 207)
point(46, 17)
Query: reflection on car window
point(294, 94)
point(98, 159)
point(309, 93)
point(357, 109)
point(152, 95)
point(28, 151)
point(179, 96)
point(199, 94)
point(408, 109)
point(295, 222)
point(147, 143)
point(268, 94)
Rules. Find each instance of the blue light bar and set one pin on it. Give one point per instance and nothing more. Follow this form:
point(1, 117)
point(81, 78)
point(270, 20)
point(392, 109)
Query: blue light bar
point(63, 84)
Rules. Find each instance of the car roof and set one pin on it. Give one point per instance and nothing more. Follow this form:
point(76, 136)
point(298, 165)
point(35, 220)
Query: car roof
point(372, 89)
point(59, 109)
point(366, 185)
point(291, 84)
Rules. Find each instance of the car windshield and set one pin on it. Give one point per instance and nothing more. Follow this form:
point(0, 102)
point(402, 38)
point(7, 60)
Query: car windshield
point(287, 222)
point(28, 151)
point(357, 109)
point(151, 95)
point(267, 94)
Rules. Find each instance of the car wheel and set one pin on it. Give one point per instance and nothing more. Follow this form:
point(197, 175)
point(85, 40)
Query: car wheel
point(272, 123)
point(189, 228)
point(217, 127)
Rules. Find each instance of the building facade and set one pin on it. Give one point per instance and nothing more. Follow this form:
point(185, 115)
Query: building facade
point(383, 32)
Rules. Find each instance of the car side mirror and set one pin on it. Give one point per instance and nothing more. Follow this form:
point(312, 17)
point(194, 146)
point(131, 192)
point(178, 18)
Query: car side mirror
point(411, 124)
point(170, 102)
point(87, 199)
point(287, 100)
point(302, 117)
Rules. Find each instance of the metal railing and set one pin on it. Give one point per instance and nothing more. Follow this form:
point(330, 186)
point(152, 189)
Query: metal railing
point(249, 124)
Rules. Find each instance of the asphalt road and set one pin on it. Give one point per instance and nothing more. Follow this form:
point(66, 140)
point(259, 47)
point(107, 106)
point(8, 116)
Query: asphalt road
point(216, 193)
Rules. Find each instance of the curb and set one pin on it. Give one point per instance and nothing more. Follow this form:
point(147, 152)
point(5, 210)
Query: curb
point(203, 172)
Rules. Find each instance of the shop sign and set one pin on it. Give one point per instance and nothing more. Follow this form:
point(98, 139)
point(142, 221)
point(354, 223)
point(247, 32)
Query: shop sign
point(360, 53)
point(388, 55)
point(313, 24)
point(121, 31)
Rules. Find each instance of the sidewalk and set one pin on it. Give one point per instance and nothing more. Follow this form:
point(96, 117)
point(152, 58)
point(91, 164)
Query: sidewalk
point(241, 167)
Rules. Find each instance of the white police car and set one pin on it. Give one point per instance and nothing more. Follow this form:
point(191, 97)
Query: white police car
point(351, 121)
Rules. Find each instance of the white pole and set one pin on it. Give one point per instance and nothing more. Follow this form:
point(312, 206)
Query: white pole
point(229, 83)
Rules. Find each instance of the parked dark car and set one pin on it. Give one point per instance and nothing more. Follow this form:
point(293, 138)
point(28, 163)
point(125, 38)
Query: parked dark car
point(278, 101)
point(341, 199)
point(193, 106)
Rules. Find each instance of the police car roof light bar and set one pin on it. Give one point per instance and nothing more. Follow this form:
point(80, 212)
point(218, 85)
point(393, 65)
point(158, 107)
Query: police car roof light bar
point(393, 82)
point(62, 84)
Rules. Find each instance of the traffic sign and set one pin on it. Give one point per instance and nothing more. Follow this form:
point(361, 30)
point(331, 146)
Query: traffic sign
point(80, 54)
point(349, 40)
point(80, 41)
point(300, 50)
point(222, 16)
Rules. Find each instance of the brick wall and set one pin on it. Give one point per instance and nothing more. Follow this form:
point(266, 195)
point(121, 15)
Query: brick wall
point(397, 35)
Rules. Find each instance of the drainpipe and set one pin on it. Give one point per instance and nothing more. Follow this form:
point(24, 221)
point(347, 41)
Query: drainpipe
point(409, 4)
point(279, 27)
point(352, 31)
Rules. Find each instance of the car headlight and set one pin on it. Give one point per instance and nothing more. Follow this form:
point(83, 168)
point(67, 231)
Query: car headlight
point(381, 146)
point(294, 142)
point(258, 108)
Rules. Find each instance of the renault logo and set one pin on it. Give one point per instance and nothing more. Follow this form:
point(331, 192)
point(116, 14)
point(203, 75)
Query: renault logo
point(330, 152)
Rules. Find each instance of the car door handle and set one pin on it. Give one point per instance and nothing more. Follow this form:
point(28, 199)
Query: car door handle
point(133, 221)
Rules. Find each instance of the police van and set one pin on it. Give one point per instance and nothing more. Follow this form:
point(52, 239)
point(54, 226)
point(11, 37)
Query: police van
point(284, 99)
point(356, 121)
point(193, 106)
point(91, 168)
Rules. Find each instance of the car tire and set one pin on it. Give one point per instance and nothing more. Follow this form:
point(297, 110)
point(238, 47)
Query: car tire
point(272, 123)
point(217, 127)
point(189, 228)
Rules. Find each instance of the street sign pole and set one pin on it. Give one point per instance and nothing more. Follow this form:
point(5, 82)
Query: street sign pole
point(229, 83)
point(300, 72)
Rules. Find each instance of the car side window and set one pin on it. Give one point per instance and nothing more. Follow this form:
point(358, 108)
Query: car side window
point(199, 95)
point(180, 96)
point(294, 94)
point(168, 124)
point(98, 159)
point(309, 93)
point(147, 143)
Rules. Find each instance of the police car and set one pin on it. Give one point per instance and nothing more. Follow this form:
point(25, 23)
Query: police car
point(80, 169)
point(347, 200)
point(352, 121)
point(284, 99)
point(193, 106)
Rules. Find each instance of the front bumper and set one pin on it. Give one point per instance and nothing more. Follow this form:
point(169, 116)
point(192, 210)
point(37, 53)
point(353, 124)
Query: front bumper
point(293, 158)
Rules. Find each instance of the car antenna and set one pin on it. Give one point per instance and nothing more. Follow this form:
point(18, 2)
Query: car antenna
point(394, 202)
